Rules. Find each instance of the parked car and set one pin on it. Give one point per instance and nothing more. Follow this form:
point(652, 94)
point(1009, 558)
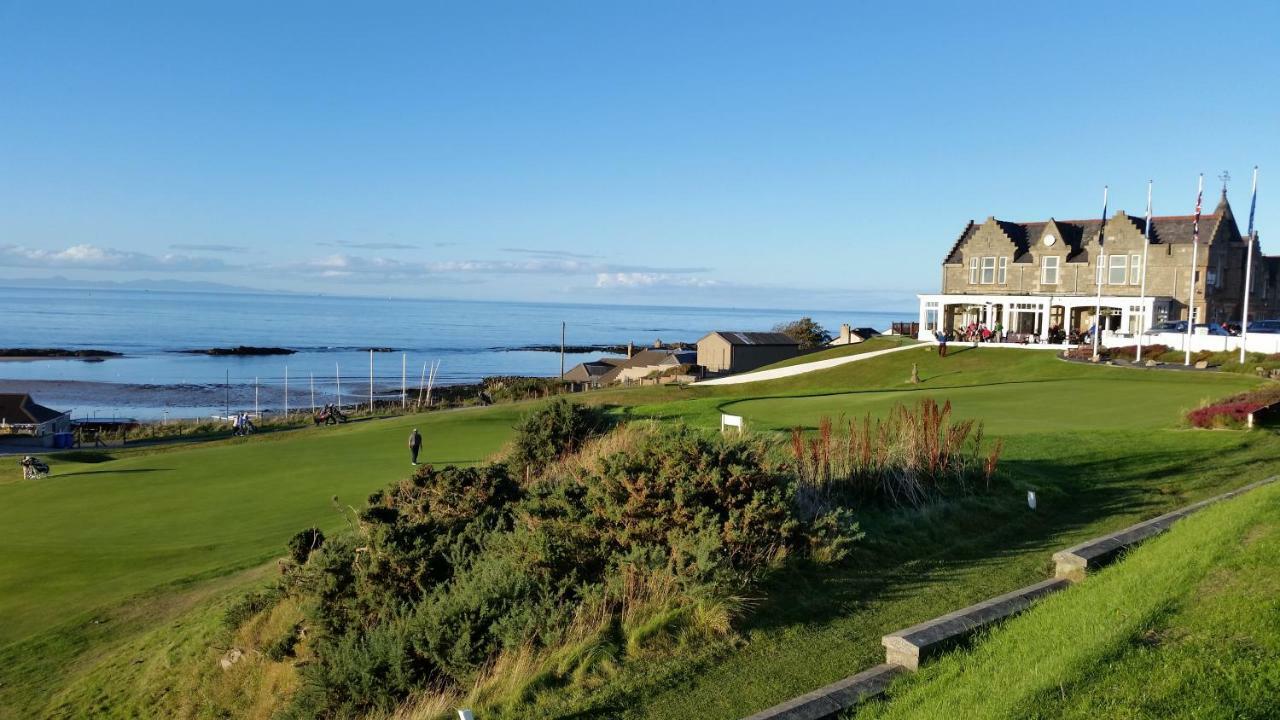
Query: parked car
point(1172, 326)
point(1210, 329)
point(1265, 326)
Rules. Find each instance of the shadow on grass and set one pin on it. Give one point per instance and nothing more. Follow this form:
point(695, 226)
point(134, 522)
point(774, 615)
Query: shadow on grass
point(907, 550)
point(110, 472)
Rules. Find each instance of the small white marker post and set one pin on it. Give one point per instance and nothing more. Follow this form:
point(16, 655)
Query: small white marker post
point(466, 714)
point(1031, 499)
point(727, 421)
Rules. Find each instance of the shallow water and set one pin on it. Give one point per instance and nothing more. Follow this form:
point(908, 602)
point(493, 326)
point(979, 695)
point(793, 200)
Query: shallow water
point(472, 340)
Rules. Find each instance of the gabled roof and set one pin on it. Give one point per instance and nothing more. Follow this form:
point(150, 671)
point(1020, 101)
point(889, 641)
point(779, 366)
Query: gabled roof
point(864, 332)
point(753, 338)
point(592, 369)
point(1081, 235)
point(19, 408)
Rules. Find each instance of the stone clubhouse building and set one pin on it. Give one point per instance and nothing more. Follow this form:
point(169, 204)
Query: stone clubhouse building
point(1033, 276)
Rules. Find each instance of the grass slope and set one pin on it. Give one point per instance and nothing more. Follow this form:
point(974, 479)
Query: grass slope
point(97, 533)
point(1187, 626)
point(76, 547)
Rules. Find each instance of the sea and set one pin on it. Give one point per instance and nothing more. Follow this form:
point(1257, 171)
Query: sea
point(331, 337)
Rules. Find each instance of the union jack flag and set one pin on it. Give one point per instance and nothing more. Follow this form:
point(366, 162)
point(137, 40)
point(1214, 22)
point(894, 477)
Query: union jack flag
point(1195, 226)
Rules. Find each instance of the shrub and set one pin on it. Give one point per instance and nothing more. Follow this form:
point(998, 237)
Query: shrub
point(303, 543)
point(639, 540)
point(1233, 412)
point(250, 605)
point(283, 646)
point(552, 431)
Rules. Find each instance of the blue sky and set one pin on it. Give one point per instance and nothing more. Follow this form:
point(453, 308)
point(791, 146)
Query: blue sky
point(818, 155)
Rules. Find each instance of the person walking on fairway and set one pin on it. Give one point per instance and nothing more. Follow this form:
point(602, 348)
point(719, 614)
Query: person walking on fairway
point(415, 444)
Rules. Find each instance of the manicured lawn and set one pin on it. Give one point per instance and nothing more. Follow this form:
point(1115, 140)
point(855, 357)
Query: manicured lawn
point(884, 342)
point(1011, 391)
point(96, 533)
point(1098, 443)
point(1186, 626)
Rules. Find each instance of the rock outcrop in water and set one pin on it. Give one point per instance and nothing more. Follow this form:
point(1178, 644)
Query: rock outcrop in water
point(241, 350)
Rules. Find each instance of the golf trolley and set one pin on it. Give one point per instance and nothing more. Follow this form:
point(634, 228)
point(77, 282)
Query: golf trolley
point(33, 468)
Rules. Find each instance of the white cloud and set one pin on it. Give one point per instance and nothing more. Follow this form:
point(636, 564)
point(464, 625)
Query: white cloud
point(651, 280)
point(92, 257)
point(379, 268)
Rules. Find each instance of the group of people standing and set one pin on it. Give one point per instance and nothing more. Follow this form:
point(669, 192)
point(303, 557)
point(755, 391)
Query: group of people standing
point(241, 424)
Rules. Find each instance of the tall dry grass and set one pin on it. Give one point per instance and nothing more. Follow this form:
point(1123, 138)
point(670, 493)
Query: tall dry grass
point(909, 457)
point(649, 613)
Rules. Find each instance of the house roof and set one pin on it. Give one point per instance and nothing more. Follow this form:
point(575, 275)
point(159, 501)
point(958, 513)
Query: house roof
point(649, 358)
point(1080, 235)
point(592, 369)
point(864, 332)
point(19, 408)
point(734, 337)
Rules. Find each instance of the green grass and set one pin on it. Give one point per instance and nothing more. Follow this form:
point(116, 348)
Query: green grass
point(96, 533)
point(812, 628)
point(107, 537)
point(1187, 626)
point(884, 342)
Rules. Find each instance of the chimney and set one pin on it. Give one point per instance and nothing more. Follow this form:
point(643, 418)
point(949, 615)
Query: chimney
point(631, 349)
point(845, 333)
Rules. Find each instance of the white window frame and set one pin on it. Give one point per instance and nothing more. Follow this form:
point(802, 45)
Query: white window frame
point(1212, 280)
point(1122, 267)
point(973, 271)
point(988, 266)
point(1002, 271)
point(1135, 269)
point(1046, 266)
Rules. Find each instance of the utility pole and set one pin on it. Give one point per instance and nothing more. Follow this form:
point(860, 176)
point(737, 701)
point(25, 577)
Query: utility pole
point(286, 392)
point(227, 387)
point(561, 349)
point(370, 381)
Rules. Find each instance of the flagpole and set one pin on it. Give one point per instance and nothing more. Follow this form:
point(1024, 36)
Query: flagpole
point(286, 392)
point(1195, 258)
point(1146, 245)
point(1248, 271)
point(1097, 308)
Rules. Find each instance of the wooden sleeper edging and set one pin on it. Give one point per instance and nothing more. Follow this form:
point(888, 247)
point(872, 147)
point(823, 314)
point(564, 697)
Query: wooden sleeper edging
point(918, 643)
point(907, 648)
point(829, 701)
point(1074, 562)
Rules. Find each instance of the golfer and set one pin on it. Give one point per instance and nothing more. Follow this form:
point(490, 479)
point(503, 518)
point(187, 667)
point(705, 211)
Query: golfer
point(415, 444)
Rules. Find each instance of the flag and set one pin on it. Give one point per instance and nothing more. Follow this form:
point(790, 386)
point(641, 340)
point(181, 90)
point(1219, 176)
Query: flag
point(1253, 204)
point(1146, 231)
point(1195, 226)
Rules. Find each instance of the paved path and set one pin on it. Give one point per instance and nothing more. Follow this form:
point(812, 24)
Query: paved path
point(803, 368)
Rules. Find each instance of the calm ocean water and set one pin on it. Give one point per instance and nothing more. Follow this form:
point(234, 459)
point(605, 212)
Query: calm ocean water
point(470, 339)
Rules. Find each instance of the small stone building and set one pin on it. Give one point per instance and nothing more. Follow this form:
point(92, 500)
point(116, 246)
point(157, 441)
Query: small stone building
point(733, 352)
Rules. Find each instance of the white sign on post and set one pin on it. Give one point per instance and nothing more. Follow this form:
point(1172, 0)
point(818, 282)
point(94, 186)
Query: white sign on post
point(727, 421)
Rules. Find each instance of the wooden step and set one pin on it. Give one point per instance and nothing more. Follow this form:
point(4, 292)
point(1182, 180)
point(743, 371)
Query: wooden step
point(918, 643)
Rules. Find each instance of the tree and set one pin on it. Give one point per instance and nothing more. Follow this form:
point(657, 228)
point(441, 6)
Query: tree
point(805, 331)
